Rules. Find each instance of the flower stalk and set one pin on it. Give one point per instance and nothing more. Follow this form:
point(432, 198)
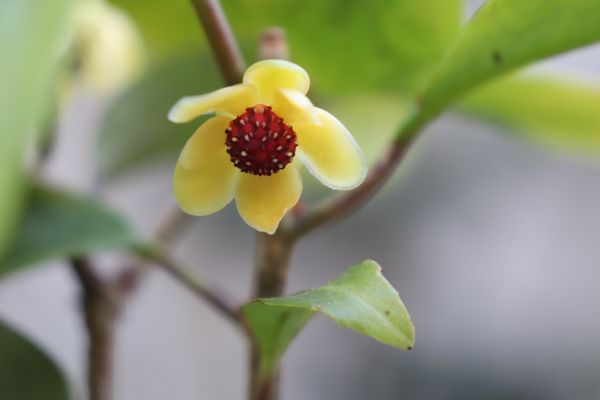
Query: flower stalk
point(273, 255)
point(221, 39)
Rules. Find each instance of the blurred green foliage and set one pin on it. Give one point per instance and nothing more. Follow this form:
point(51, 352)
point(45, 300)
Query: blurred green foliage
point(58, 224)
point(168, 27)
point(355, 45)
point(26, 373)
point(345, 45)
point(557, 112)
point(360, 299)
point(32, 34)
point(136, 129)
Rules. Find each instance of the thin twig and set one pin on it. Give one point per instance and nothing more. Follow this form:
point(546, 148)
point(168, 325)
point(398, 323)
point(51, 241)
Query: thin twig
point(170, 228)
point(172, 225)
point(199, 288)
point(221, 39)
point(100, 311)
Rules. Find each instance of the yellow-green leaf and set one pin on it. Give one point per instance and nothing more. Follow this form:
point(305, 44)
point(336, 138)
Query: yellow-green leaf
point(557, 112)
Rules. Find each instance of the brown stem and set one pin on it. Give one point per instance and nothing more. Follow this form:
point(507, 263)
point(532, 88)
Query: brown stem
point(221, 39)
point(273, 254)
point(100, 311)
point(172, 226)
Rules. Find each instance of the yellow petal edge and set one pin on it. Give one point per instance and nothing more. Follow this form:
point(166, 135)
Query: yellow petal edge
point(262, 201)
point(270, 75)
point(330, 153)
point(229, 101)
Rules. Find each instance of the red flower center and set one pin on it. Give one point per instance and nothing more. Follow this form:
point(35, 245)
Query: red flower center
point(259, 142)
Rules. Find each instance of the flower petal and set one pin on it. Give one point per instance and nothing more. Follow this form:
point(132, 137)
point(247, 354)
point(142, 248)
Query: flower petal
point(330, 152)
point(269, 75)
point(205, 144)
point(205, 190)
point(294, 107)
point(262, 201)
point(230, 101)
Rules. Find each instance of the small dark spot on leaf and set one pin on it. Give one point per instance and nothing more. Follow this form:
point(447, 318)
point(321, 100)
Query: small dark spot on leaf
point(409, 348)
point(387, 312)
point(497, 57)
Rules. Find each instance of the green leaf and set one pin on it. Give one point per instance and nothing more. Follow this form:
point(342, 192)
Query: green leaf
point(136, 130)
point(31, 32)
point(167, 27)
point(504, 35)
point(58, 224)
point(361, 299)
point(356, 45)
point(555, 112)
point(26, 373)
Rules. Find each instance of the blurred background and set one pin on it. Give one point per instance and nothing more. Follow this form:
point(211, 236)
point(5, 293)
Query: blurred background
point(489, 230)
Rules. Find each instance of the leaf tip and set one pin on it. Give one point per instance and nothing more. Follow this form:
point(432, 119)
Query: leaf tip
point(372, 264)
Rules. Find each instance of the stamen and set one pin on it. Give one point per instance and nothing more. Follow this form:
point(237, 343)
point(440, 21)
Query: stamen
point(268, 144)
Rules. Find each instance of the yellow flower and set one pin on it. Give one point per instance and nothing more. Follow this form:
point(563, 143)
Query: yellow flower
point(246, 151)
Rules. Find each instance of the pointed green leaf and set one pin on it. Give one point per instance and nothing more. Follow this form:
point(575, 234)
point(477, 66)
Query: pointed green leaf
point(361, 299)
point(501, 36)
point(59, 224)
point(555, 112)
point(26, 373)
